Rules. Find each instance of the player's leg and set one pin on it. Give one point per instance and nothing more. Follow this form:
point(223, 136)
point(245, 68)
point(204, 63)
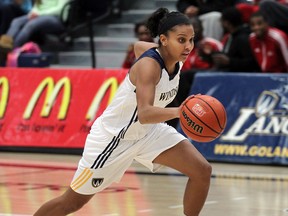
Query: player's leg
point(101, 165)
point(185, 158)
point(69, 202)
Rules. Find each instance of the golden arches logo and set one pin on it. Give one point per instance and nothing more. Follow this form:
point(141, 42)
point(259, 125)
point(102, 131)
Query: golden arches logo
point(51, 94)
point(113, 84)
point(4, 83)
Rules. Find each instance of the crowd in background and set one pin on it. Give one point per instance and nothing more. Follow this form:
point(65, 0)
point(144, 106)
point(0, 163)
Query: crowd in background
point(21, 20)
point(231, 35)
point(237, 36)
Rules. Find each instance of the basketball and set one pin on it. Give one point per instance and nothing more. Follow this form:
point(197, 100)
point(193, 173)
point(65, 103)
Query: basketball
point(203, 118)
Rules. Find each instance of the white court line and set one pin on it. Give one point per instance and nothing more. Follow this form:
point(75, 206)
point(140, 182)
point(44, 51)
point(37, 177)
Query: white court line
point(210, 202)
point(238, 198)
point(176, 206)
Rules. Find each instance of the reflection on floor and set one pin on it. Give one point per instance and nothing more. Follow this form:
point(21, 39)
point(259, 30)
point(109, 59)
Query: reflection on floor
point(28, 180)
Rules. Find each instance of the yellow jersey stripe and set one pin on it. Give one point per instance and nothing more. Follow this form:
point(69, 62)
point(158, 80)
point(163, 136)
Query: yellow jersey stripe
point(83, 173)
point(80, 177)
point(79, 184)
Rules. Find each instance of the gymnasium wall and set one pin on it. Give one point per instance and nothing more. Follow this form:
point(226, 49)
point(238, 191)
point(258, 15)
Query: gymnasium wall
point(52, 110)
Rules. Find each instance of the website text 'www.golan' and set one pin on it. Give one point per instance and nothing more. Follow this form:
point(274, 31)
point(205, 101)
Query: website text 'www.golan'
point(250, 150)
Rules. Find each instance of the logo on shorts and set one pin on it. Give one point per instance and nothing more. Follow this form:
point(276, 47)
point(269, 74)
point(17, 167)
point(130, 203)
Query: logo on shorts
point(96, 182)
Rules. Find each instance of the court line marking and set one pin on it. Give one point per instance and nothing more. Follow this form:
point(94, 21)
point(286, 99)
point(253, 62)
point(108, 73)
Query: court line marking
point(176, 206)
point(238, 198)
point(245, 176)
point(210, 202)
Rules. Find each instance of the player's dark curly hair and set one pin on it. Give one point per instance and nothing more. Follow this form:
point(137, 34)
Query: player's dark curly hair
point(155, 19)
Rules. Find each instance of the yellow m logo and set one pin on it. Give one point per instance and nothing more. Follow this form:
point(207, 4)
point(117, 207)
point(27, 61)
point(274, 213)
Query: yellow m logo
point(51, 94)
point(4, 96)
point(113, 84)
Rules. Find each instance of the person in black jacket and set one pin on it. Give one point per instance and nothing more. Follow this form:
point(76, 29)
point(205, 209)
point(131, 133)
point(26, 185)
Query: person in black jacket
point(276, 13)
point(208, 11)
point(237, 55)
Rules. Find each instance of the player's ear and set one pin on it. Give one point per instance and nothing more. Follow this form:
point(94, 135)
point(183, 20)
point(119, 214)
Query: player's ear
point(163, 40)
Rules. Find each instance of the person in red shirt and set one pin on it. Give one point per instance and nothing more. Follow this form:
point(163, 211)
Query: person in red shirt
point(275, 12)
point(143, 34)
point(269, 45)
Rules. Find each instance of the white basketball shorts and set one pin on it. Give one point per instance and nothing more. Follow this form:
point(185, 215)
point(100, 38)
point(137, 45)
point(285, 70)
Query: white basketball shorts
point(106, 158)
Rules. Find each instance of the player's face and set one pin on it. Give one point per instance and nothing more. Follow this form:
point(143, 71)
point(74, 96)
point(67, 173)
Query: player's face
point(258, 26)
point(180, 42)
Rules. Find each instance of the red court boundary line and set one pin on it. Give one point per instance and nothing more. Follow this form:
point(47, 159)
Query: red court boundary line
point(58, 167)
point(130, 171)
point(55, 167)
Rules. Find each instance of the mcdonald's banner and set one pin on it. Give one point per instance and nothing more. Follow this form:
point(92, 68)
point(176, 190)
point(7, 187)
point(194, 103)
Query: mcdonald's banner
point(257, 117)
point(53, 108)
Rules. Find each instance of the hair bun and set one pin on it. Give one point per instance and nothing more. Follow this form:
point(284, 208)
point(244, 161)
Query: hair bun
point(155, 20)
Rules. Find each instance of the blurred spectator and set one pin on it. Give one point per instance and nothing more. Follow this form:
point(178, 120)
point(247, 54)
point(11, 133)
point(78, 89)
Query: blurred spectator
point(44, 18)
point(276, 13)
point(270, 45)
point(10, 9)
point(236, 55)
point(247, 9)
point(143, 34)
point(209, 12)
point(200, 57)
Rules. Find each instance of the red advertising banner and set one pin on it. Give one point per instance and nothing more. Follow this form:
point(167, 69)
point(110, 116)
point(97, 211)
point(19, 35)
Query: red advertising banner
point(52, 107)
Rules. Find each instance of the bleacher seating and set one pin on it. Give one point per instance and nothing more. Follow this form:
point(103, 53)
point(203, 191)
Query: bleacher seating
point(111, 35)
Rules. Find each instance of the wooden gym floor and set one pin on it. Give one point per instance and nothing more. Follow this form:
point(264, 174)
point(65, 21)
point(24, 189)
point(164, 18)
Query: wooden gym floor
point(28, 180)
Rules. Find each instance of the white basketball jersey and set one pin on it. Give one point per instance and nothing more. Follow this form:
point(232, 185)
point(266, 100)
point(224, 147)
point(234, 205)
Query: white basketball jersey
point(120, 117)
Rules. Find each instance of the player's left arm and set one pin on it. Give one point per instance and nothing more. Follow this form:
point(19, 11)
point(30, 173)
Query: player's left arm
point(146, 79)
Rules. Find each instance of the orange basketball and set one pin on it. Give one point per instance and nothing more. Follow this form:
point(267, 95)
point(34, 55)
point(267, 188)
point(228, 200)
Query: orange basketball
point(203, 118)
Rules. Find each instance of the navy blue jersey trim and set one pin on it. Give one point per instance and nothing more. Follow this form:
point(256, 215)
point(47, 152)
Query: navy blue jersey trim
point(176, 71)
point(152, 53)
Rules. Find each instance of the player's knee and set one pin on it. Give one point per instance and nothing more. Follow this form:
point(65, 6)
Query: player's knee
point(204, 174)
point(207, 171)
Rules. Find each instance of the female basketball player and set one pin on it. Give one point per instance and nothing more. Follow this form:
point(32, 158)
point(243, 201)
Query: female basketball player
point(131, 129)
